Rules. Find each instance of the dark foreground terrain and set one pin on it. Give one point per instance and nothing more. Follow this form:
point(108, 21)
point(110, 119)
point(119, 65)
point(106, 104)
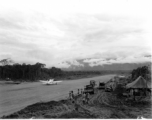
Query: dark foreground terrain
point(101, 105)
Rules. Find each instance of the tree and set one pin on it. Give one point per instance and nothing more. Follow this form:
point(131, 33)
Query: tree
point(6, 61)
point(141, 71)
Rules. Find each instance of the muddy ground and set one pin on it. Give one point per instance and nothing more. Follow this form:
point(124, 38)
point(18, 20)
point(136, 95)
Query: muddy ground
point(101, 105)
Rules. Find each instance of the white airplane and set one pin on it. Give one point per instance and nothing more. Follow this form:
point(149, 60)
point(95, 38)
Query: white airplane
point(50, 82)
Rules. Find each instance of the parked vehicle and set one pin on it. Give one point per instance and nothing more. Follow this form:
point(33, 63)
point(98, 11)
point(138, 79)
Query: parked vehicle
point(108, 89)
point(89, 89)
point(93, 83)
point(101, 85)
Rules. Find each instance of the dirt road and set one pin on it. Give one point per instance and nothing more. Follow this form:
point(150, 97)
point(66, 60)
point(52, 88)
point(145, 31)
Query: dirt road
point(16, 97)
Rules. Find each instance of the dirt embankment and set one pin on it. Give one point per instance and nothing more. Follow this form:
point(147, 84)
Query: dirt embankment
point(101, 105)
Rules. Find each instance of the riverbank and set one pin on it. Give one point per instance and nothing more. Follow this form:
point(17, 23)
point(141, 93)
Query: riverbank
point(2, 81)
point(100, 106)
point(64, 78)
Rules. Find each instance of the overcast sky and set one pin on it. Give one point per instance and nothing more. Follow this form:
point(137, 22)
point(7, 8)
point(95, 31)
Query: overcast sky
point(53, 31)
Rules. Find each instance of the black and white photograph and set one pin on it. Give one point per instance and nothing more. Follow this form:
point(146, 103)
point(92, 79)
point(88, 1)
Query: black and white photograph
point(75, 59)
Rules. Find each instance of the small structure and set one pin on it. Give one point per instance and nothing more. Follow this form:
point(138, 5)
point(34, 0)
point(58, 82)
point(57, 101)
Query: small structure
point(101, 85)
point(140, 82)
point(138, 87)
point(89, 89)
point(110, 86)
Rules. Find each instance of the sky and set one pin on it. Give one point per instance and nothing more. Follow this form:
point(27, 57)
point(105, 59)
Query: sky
point(54, 31)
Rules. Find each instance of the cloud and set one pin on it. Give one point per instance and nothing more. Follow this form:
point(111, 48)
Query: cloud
point(38, 33)
point(74, 62)
point(69, 63)
point(8, 24)
point(125, 55)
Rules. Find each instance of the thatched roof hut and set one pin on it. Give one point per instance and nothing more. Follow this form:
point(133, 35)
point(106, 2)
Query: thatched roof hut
point(140, 82)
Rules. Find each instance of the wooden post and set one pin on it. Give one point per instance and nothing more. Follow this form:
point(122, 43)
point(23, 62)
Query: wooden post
point(81, 91)
point(78, 92)
point(70, 95)
point(134, 94)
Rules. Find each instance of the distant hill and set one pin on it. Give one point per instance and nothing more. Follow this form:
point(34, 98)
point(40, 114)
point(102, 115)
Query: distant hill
point(112, 67)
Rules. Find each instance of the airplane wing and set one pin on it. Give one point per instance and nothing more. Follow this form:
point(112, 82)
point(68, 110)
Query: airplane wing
point(57, 81)
point(43, 81)
point(47, 83)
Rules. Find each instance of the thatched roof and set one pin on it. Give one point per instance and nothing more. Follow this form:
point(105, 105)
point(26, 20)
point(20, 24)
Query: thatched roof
point(149, 84)
point(140, 82)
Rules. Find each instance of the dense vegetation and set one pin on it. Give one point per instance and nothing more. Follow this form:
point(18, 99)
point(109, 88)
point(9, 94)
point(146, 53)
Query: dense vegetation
point(144, 71)
point(28, 72)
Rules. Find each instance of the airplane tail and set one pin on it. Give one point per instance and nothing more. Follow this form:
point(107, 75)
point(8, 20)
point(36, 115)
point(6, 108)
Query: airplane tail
point(51, 80)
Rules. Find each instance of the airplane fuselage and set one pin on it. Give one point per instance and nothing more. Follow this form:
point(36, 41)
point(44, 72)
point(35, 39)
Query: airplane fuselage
point(50, 82)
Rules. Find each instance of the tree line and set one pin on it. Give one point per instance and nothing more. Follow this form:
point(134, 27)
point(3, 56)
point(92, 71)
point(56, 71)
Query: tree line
point(28, 72)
